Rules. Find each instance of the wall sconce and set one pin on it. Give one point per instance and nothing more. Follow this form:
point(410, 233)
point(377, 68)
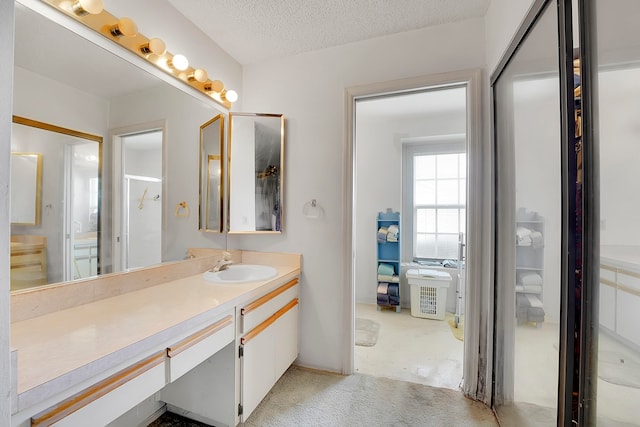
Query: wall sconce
point(229, 95)
point(124, 32)
point(179, 62)
point(124, 27)
point(86, 7)
point(199, 74)
point(155, 46)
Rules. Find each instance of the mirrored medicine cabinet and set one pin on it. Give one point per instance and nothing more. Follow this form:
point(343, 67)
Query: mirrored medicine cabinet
point(251, 173)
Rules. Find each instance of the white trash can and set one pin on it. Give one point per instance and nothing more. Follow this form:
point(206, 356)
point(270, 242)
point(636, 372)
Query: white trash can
point(428, 292)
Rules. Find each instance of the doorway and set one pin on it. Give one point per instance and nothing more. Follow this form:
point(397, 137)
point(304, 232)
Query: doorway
point(81, 210)
point(396, 133)
point(138, 206)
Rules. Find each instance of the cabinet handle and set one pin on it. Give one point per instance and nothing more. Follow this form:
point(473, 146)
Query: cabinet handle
point(85, 397)
point(264, 325)
point(198, 336)
point(265, 298)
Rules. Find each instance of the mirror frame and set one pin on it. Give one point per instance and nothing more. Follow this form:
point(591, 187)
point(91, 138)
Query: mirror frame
point(280, 198)
point(37, 188)
point(205, 158)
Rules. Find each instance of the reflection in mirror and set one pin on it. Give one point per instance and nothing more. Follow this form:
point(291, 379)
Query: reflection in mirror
point(256, 154)
point(81, 85)
point(64, 244)
point(211, 173)
point(26, 176)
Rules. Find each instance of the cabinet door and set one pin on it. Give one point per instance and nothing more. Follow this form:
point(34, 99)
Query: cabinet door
point(286, 341)
point(268, 350)
point(257, 369)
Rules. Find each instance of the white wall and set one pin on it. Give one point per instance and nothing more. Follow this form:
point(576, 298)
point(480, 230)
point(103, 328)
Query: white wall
point(309, 89)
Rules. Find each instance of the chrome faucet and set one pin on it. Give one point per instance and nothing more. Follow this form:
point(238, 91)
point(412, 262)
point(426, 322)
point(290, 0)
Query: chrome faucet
point(224, 263)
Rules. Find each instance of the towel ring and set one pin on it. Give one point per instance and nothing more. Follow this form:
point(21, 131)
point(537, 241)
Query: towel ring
point(182, 209)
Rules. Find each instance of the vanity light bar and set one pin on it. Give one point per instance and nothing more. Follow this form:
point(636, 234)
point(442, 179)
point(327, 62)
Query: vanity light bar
point(124, 32)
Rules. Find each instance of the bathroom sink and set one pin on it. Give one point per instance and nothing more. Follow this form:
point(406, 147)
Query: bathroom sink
point(241, 273)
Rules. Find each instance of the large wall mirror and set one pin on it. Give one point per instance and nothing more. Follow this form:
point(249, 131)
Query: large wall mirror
point(211, 174)
point(65, 80)
point(256, 160)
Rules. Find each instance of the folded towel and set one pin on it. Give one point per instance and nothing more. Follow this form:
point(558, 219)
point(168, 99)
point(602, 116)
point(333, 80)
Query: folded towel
point(394, 300)
point(393, 290)
point(536, 239)
point(386, 269)
point(534, 301)
point(388, 278)
point(392, 233)
point(528, 278)
point(523, 236)
point(532, 289)
point(382, 234)
point(383, 288)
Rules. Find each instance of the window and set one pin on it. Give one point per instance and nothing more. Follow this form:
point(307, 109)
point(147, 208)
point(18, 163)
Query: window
point(435, 197)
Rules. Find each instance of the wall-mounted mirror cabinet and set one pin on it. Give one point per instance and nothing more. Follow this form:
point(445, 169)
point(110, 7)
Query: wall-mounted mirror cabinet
point(212, 174)
point(256, 160)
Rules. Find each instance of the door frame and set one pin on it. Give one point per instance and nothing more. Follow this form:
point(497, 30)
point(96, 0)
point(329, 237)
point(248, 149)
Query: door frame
point(478, 224)
point(117, 209)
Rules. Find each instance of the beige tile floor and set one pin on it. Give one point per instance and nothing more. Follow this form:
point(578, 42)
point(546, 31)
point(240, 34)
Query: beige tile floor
point(412, 349)
point(424, 351)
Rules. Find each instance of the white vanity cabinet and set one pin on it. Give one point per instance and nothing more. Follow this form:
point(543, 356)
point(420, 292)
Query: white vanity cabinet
point(268, 338)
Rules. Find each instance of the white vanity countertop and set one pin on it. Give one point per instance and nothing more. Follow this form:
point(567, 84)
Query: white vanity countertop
point(66, 347)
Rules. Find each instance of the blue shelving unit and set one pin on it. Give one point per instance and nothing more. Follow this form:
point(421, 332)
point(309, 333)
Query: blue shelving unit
point(388, 259)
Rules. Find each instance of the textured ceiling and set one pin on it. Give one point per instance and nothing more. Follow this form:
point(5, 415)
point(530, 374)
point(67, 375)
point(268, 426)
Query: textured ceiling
point(252, 31)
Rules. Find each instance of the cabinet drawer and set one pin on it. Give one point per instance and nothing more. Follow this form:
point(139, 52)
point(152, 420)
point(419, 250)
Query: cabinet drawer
point(256, 312)
point(607, 273)
point(105, 401)
point(195, 349)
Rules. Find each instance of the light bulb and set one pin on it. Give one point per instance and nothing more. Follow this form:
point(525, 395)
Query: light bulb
point(85, 7)
point(155, 46)
point(124, 27)
point(179, 62)
point(200, 74)
point(231, 95)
